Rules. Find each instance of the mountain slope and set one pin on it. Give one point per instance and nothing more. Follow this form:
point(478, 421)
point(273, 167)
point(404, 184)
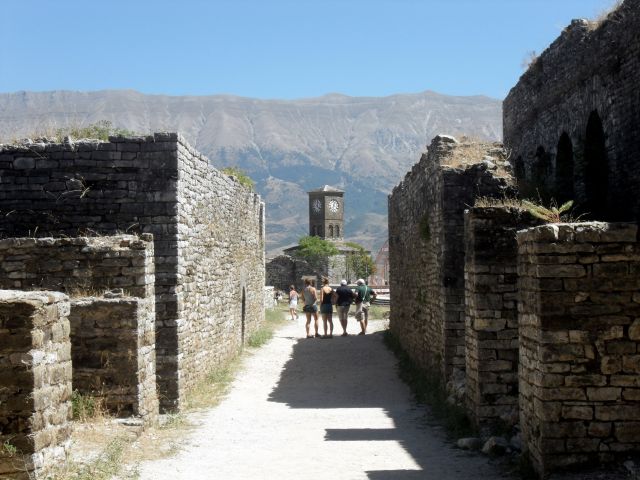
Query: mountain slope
point(363, 145)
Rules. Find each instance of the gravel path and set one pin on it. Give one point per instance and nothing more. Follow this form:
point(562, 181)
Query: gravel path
point(318, 409)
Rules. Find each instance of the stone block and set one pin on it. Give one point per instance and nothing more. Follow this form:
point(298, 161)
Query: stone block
point(603, 394)
point(599, 429)
point(577, 412)
point(35, 383)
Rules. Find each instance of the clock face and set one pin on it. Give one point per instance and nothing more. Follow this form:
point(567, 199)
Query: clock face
point(334, 206)
point(317, 205)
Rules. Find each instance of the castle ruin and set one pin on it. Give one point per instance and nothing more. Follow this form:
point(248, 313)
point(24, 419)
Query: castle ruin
point(536, 323)
point(177, 245)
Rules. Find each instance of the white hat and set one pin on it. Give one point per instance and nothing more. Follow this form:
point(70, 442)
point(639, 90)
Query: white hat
point(360, 281)
point(343, 282)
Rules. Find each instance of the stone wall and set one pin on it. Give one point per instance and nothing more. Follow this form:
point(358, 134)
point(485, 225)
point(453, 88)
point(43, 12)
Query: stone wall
point(285, 270)
point(426, 246)
point(208, 233)
point(579, 315)
point(82, 266)
point(35, 383)
point(491, 329)
point(113, 354)
point(571, 120)
point(220, 268)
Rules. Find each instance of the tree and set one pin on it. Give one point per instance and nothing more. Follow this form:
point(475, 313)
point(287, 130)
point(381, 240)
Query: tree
point(314, 249)
point(359, 263)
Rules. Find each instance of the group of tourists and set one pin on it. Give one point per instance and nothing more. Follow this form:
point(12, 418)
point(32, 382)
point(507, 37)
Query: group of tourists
point(327, 298)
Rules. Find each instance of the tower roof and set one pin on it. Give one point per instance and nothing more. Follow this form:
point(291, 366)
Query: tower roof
point(326, 188)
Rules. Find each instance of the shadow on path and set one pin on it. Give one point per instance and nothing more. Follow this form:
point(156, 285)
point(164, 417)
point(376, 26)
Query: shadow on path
point(359, 372)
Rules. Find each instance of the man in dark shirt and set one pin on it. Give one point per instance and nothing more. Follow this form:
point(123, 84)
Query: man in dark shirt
point(345, 298)
point(364, 296)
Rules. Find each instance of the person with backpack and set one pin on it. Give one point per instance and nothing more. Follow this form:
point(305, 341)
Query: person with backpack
point(364, 296)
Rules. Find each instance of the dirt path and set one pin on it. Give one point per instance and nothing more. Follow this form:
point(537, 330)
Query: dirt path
point(318, 409)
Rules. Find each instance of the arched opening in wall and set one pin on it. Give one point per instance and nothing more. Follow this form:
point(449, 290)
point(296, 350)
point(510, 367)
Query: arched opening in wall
point(313, 230)
point(330, 231)
point(541, 172)
point(564, 169)
point(320, 231)
point(596, 168)
point(338, 231)
point(261, 226)
point(243, 317)
point(518, 169)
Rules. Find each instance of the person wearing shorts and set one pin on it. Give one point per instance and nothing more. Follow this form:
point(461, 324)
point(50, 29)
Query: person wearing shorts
point(310, 309)
point(326, 307)
point(345, 298)
point(364, 296)
point(293, 303)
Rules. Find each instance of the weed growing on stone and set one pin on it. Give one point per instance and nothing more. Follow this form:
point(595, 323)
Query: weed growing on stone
point(429, 389)
point(86, 407)
point(604, 14)
point(8, 449)
point(551, 214)
point(240, 176)
point(505, 202)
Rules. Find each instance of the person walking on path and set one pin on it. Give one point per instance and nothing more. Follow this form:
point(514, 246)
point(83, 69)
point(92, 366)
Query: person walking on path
point(345, 298)
point(326, 307)
point(365, 295)
point(310, 297)
point(293, 303)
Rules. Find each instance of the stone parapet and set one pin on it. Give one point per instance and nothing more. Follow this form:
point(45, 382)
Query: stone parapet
point(81, 266)
point(35, 383)
point(491, 321)
point(579, 331)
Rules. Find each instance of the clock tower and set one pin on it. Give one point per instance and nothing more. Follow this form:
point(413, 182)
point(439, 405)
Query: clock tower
point(326, 213)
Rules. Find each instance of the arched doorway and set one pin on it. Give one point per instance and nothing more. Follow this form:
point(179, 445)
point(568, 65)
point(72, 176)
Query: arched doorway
point(244, 315)
point(541, 167)
point(596, 168)
point(564, 169)
point(518, 167)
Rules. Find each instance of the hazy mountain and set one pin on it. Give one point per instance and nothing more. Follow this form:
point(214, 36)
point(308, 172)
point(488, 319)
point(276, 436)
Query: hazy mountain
point(363, 145)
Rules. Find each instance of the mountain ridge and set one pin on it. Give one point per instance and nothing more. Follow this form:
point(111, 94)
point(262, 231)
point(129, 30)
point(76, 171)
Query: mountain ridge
point(363, 145)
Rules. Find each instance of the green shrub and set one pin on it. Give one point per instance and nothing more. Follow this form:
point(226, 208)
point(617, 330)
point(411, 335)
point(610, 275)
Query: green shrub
point(552, 214)
point(240, 175)
point(314, 248)
point(85, 407)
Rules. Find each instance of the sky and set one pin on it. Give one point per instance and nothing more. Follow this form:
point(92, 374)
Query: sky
point(281, 49)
